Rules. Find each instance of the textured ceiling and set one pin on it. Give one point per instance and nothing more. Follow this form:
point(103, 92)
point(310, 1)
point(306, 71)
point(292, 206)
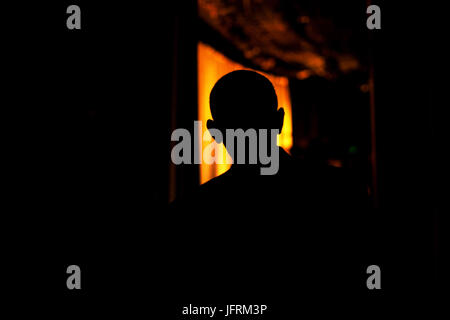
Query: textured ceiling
point(293, 38)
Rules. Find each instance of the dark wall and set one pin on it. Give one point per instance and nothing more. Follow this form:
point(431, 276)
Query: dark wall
point(406, 73)
point(85, 121)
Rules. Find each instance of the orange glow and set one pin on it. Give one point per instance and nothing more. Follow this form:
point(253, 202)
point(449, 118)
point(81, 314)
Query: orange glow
point(212, 65)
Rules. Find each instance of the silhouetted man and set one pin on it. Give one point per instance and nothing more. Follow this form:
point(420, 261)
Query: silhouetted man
point(253, 227)
point(246, 100)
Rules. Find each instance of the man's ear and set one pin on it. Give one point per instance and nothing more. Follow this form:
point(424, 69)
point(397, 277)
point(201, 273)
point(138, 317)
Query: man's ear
point(212, 125)
point(280, 119)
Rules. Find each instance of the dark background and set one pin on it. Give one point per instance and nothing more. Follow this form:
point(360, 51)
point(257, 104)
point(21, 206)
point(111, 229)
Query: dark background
point(86, 118)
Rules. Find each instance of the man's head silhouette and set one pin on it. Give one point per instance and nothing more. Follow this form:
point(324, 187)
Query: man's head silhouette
point(244, 111)
point(244, 99)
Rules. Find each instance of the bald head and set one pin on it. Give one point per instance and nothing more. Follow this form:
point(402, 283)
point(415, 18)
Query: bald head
point(245, 99)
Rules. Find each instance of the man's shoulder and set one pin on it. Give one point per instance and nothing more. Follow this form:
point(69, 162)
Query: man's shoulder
point(202, 193)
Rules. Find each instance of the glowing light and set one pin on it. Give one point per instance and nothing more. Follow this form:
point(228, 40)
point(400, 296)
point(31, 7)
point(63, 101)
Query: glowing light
point(303, 74)
point(212, 65)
